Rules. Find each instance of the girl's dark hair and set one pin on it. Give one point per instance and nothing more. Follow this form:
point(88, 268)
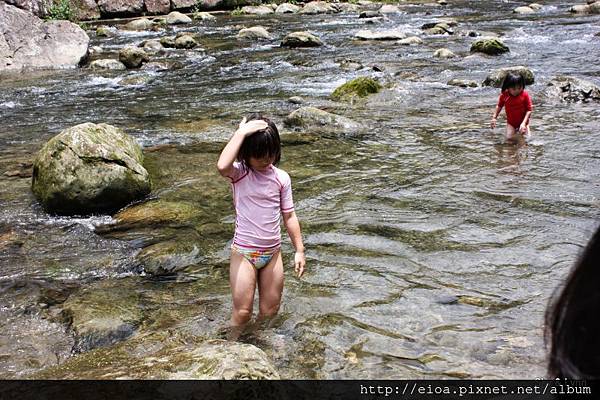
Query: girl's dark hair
point(572, 323)
point(513, 80)
point(261, 144)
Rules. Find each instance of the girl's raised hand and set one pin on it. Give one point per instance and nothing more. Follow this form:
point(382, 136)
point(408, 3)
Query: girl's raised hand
point(247, 128)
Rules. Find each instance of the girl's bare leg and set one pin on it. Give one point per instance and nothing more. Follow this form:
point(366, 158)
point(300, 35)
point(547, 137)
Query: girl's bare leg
point(511, 134)
point(242, 279)
point(270, 287)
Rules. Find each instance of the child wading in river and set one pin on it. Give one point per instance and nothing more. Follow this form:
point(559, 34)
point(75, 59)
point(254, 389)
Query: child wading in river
point(515, 99)
point(262, 193)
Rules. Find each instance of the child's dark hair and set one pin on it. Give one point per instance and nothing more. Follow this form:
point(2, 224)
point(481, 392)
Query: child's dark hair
point(572, 324)
point(261, 144)
point(512, 80)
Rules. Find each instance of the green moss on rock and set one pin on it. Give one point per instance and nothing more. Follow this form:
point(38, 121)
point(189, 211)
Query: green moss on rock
point(361, 87)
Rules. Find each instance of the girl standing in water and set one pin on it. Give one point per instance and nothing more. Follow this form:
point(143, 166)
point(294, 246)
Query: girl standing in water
point(262, 193)
point(515, 99)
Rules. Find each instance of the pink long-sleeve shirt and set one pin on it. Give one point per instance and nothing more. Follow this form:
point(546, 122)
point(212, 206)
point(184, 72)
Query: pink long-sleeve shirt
point(259, 198)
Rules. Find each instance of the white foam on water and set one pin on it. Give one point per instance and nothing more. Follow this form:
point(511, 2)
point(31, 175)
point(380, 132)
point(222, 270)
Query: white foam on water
point(89, 222)
point(9, 104)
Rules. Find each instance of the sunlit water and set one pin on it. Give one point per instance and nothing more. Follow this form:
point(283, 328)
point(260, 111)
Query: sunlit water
point(432, 246)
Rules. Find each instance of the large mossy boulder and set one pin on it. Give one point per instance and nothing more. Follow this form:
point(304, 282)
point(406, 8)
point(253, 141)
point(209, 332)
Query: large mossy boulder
point(567, 88)
point(314, 119)
point(490, 46)
point(496, 77)
point(359, 87)
point(89, 168)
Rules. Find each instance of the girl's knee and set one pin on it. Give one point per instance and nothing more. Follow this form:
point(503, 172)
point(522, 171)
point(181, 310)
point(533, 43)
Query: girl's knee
point(242, 315)
point(269, 310)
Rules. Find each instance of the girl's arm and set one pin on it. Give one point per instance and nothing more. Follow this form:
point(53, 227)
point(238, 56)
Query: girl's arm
point(292, 225)
point(229, 153)
point(495, 115)
point(525, 122)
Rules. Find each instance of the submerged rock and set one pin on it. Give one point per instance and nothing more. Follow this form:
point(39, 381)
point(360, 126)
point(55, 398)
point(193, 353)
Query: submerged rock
point(153, 213)
point(28, 42)
point(524, 10)
point(133, 57)
point(102, 314)
point(89, 168)
point(489, 46)
point(359, 87)
point(410, 41)
point(301, 39)
point(462, 83)
point(573, 89)
point(313, 118)
point(390, 34)
point(176, 18)
point(107, 64)
point(496, 77)
point(168, 257)
point(204, 16)
point(255, 32)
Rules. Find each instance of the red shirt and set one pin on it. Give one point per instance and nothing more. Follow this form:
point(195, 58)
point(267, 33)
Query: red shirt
point(516, 107)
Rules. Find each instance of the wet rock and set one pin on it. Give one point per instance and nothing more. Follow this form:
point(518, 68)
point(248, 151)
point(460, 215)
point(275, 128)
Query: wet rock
point(175, 18)
point(391, 34)
point(462, 83)
point(440, 28)
point(169, 257)
point(590, 8)
point(535, 6)
point(185, 42)
point(105, 31)
point(313, 118)
point(491, 46)
point(255, 32)
point(444, 53)
point(9, 238)
point(572, 89)
point(301, 39)
point(350, 65)
point(137, 80)
point(121, 7)
point(153, 213)
point(103, 314)
point(107, 64)
point(204, 16)
point(370, 14)
point(442, 2)
point(133, 57)
point(152, 46)
point(158, 6)
point(410, 41)
point(168, 42)
point(496, 77)
point(257, 10)
point(28, 42)
point(162, 66)
point(318, 7)
point(287, 8)
point(389, 9)
point(524, 10)
point(89, 168)
point(169, 355)
point(140, 24)
point(359, 87)
point(296, 100)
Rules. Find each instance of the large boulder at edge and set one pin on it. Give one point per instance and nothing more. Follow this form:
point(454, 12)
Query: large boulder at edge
point(89, 168)
point(28, 42)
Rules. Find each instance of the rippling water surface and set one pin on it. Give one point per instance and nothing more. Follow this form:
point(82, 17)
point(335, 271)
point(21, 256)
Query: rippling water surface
point(432, 246)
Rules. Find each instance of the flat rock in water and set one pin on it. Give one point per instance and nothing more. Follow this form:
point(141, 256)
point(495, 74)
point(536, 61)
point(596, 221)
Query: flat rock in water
point(170, 256)
point(255, 32)
point(133, 57)
point(313, 118)
point(28, 42)
point(107, 64)
point(410, 41)
point(257, 10)
point(444, 53)
point(318, 7)
point(490, 46)
point(572, 89)
point(391, 34)
point(462, 83)
point(301, 39)
point(389, 9)
point(140, 24)
point(287, 8)
point(524, 10)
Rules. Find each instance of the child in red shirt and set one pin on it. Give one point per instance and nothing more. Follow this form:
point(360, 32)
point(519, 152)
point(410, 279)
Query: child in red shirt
point(515, 99)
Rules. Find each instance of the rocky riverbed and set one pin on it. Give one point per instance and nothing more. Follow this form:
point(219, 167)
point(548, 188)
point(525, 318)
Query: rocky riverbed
point(433, 247)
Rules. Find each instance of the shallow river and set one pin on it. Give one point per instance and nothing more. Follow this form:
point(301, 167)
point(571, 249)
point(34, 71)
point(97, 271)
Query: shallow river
point(432, 246)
